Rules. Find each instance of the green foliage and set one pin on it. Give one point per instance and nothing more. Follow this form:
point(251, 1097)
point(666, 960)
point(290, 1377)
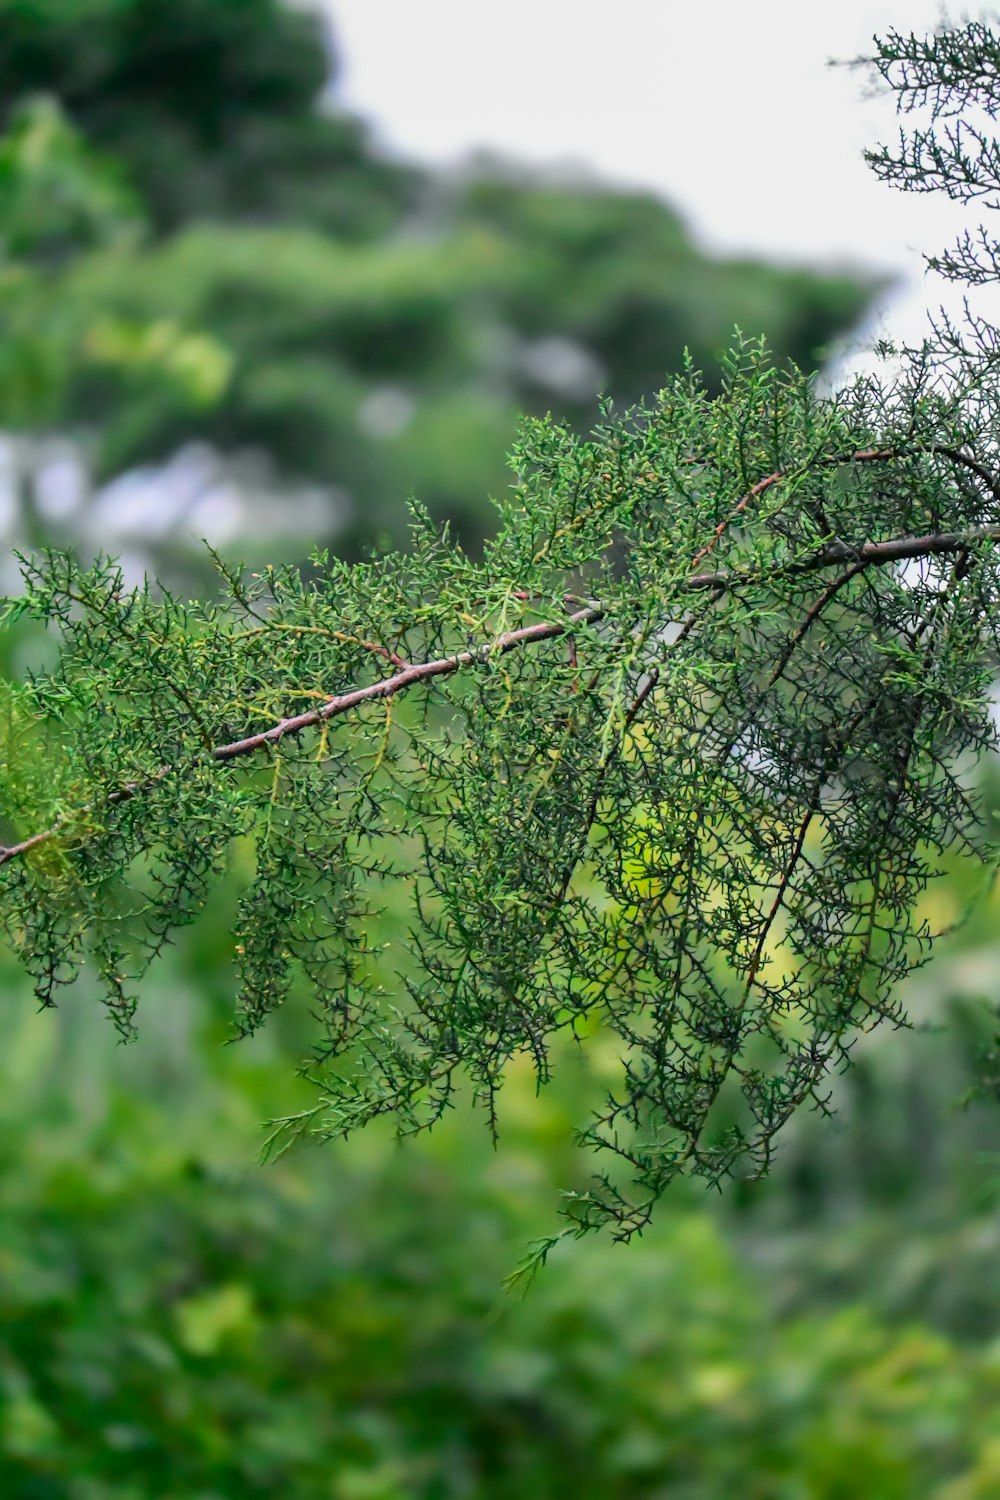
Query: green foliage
point(675, 761)
point(174, 1322)
point(618, 274)
point(678, 756)
point(61, 200)
point(455, 331)
point(58, 197)
point(212, 106)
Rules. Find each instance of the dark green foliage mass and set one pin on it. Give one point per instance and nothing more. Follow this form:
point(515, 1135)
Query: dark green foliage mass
point(619, 273)
point(60, 197)
point(213, 106)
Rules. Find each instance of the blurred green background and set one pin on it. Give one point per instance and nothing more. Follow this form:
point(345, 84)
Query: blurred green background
point(222, 313)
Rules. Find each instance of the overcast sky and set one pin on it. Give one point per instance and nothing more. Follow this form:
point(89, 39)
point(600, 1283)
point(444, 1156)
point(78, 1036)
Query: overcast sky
point(725, 107)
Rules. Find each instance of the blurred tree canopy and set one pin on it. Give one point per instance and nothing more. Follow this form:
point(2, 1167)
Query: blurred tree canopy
point(213, 107)
point(283, 288)
point(175, 1322)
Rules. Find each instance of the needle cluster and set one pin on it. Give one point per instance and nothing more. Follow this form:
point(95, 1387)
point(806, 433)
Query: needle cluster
point(676, 758)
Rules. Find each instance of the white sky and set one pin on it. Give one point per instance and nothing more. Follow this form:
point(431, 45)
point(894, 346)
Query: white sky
point(725, 107)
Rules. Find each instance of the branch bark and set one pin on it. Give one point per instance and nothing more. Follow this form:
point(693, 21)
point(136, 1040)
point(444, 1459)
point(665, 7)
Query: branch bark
point(868, 554)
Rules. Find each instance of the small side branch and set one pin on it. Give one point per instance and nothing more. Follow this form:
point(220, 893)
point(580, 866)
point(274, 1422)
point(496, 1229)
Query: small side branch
point(868, 554)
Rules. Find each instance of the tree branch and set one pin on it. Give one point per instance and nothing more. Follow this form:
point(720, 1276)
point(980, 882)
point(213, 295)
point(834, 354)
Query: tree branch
point(868, 554)
point(387, 687)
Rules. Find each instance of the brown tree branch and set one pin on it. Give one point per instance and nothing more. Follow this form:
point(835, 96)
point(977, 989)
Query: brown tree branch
point(387, 687)
point(868, 554)
point(864, 456)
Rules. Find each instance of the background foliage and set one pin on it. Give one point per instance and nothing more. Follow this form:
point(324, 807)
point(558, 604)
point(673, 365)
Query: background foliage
point(175, 1322)
point(178, 1321)
point(278, 289)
